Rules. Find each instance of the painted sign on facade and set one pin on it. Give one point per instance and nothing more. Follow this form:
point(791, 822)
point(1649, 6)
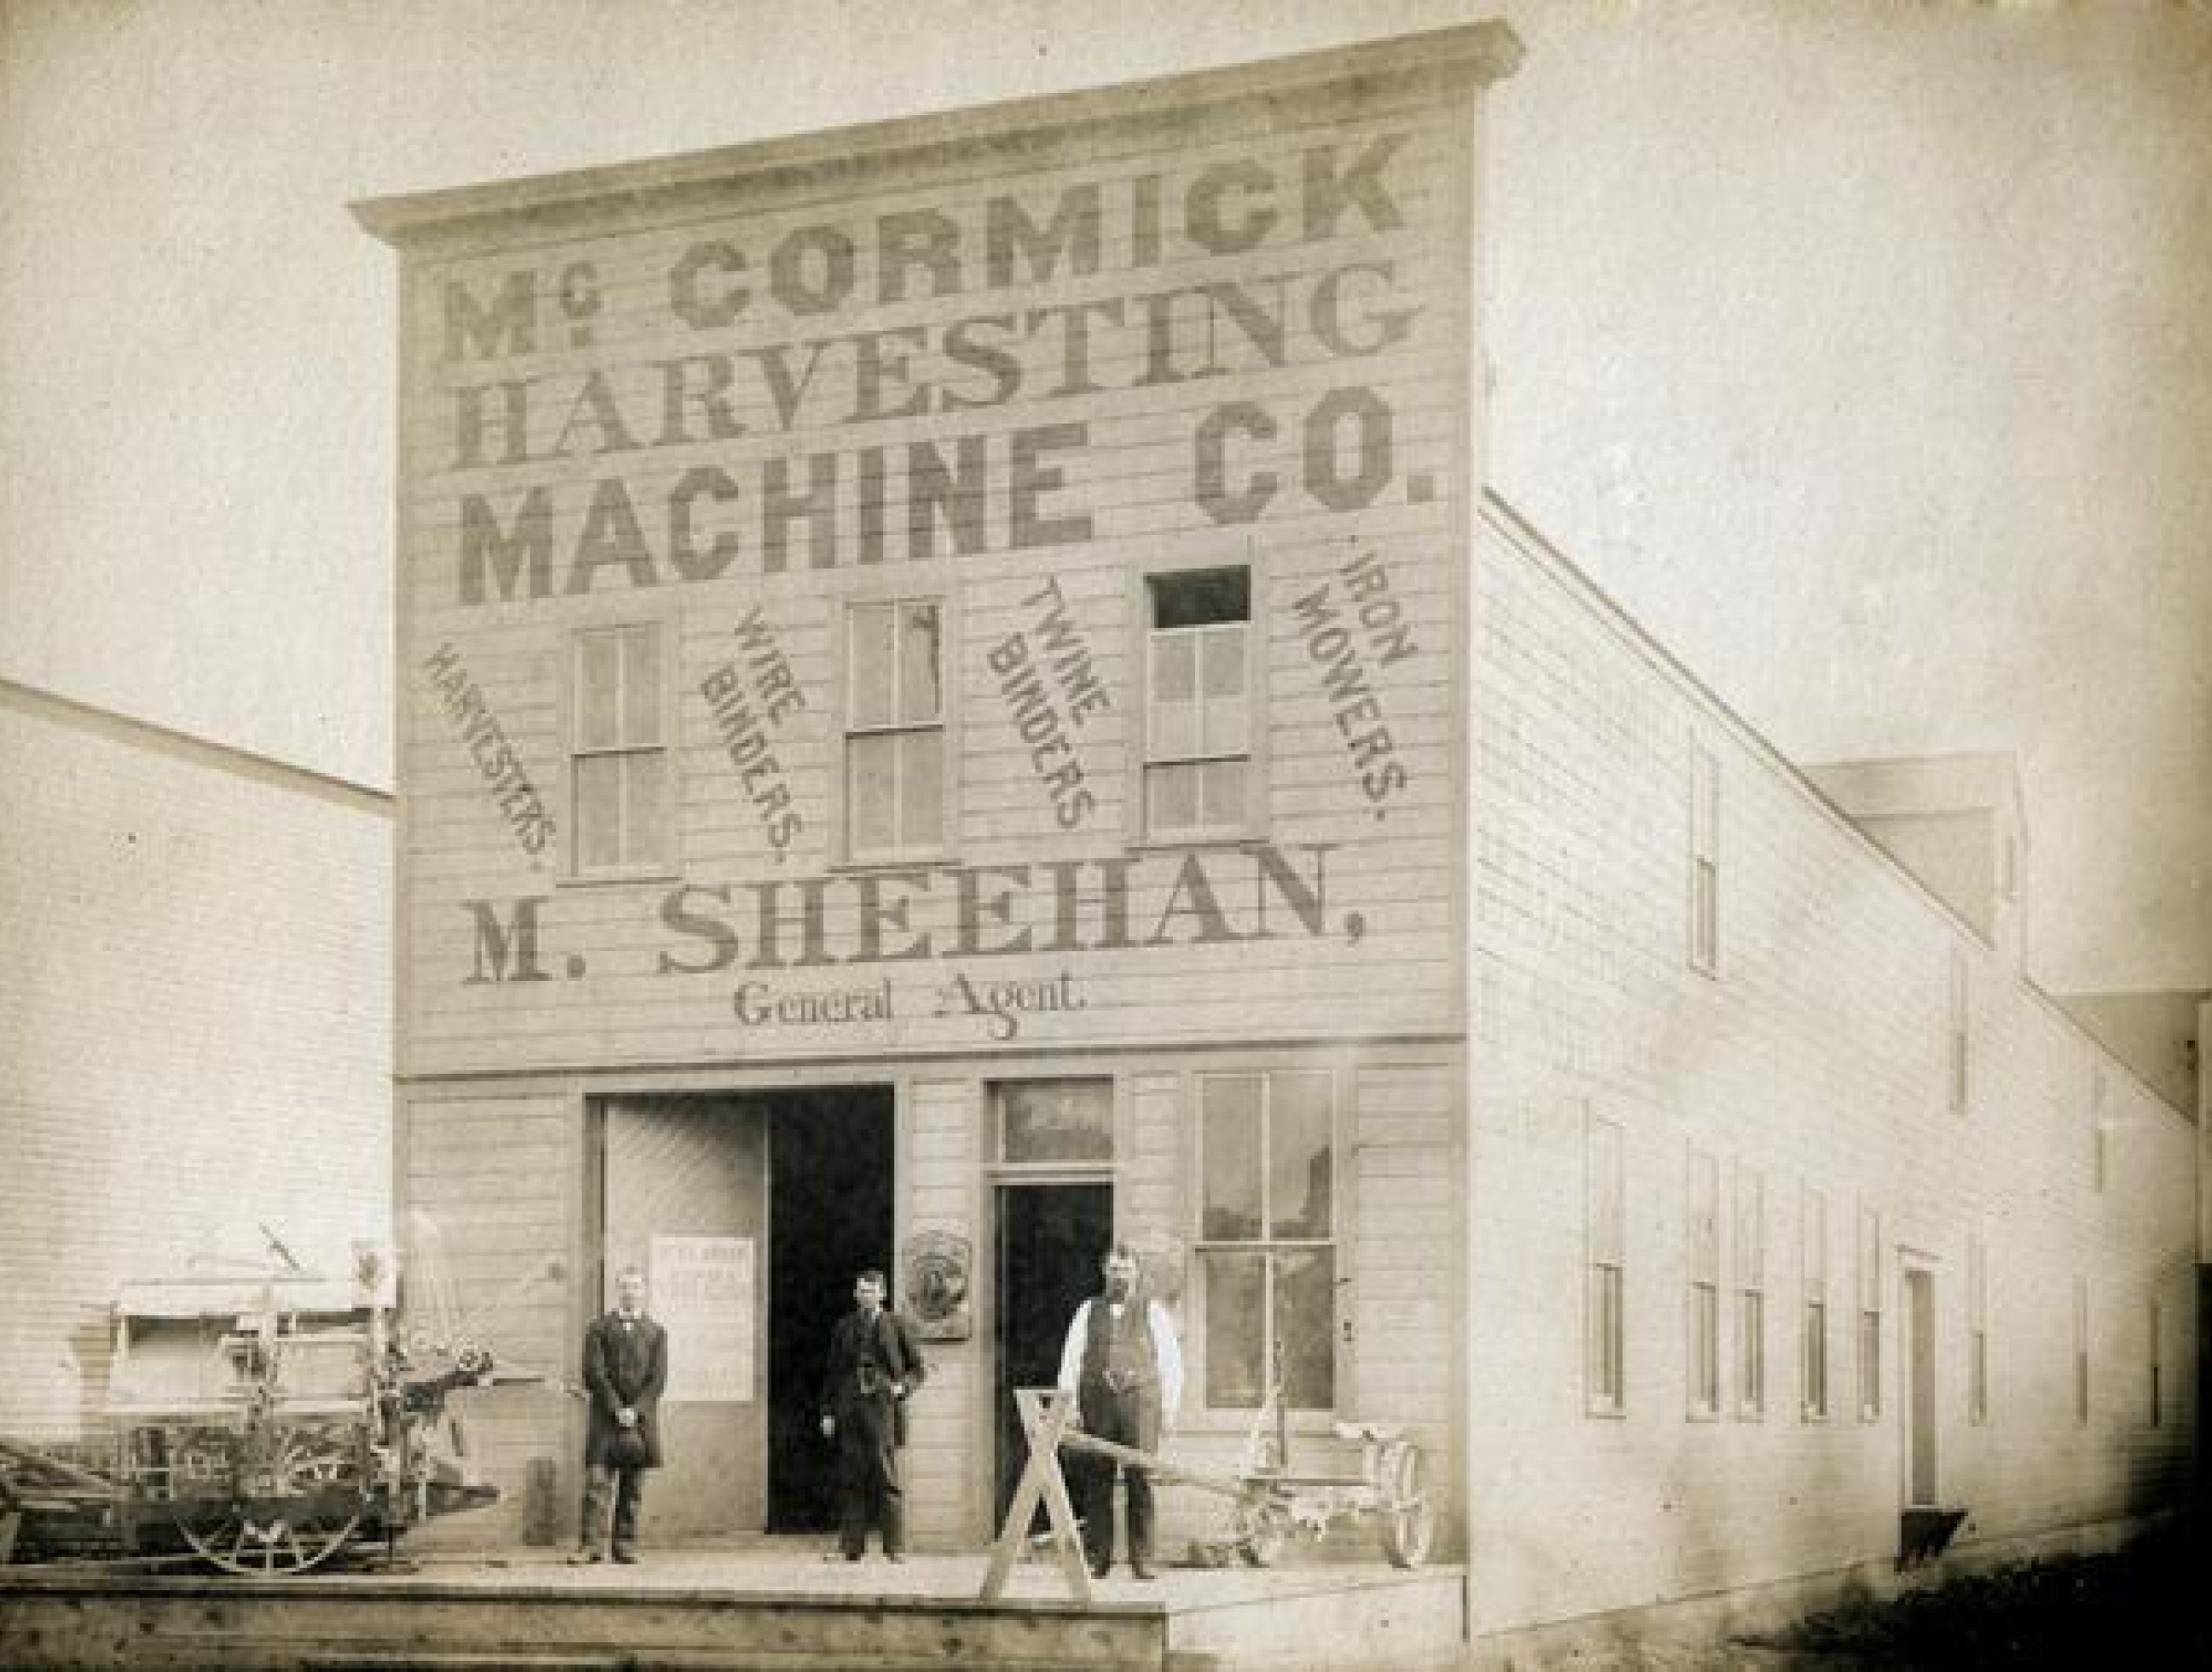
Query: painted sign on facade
point(1008, 598)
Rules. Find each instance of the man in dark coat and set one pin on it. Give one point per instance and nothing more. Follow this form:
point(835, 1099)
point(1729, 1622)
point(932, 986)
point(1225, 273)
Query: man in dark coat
point(1123, 1368)
point(625, 1368)
point(874, 1364)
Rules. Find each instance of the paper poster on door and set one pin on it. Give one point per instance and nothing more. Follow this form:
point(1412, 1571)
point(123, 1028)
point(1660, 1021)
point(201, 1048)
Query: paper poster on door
point(703, 1293)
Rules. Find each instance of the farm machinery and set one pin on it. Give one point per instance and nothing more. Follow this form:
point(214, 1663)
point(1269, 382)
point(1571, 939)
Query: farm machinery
point(261, 1423)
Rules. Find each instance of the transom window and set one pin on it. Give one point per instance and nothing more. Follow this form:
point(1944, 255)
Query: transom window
point(894, 729)
point(1198, 690)
point(1055, 1120)
point(618, 754)
point(1267, 1236)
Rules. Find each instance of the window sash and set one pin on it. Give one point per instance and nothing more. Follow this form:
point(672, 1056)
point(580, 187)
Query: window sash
point(1704, 1349)
point(1603, 1352)
point(619, 764)
point(1751, 1351)
point(1267, 1240)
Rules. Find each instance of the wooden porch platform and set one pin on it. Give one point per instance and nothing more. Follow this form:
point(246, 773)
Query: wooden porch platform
point(772, 1605)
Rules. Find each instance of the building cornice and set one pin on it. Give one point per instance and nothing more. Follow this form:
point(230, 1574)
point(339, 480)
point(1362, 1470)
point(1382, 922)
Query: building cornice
point(1477, 53)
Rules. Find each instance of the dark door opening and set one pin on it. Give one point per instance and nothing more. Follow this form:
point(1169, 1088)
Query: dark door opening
point(829, 1217)
point(1920, 1485)
point(1050, 1238)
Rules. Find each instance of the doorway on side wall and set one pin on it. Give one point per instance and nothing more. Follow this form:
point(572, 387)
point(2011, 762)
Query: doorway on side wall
point(1049, 1237)
point(829, 1165)
point(1920, 1425)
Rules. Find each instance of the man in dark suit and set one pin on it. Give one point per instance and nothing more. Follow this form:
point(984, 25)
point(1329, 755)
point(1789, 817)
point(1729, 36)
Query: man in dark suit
point(874, 1364)
point(625, 1368)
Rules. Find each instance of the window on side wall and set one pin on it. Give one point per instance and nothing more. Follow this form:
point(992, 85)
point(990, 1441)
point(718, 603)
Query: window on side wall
point(1266, 1237)
point(1751, 1292)
point(1198, 770)
point(1814, 1351)
point(895, 749)
point(1869, 1275)
point(1977, 1329)
point(619, 779)
point(1604, 1372)
point(1704, 1289)
point(1705, 861)
point(2081, 1351)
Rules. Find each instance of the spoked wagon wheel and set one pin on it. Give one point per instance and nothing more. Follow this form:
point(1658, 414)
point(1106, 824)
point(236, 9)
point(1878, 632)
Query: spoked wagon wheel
point(292, 1510)
point(239, 1541)
point(1408, 1512)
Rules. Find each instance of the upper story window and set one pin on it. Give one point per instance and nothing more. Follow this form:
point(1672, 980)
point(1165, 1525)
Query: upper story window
point(1704, 862)
point(1959, 1064)
point(1198, 718)
point(619, 767)
point(895, 776)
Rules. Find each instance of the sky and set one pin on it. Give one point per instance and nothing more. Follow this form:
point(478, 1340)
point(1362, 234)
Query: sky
point(1863, 353)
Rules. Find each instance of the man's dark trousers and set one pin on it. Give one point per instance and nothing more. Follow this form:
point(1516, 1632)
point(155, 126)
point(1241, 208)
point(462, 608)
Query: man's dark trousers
point(869, 1490)
point(1129, 1418)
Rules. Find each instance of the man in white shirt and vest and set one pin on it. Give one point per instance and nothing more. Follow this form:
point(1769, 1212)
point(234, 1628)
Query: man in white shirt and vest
point(1124, 1369)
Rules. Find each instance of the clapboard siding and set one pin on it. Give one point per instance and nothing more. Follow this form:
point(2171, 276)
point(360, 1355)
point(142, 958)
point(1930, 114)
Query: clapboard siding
point(504, 1243)
point(940, 1157)
point(1381, 961)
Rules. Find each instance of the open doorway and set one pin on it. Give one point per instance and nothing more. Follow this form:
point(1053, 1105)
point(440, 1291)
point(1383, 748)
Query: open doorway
point(1049, 1239)
point(1920, 1428)
point(830, 1216)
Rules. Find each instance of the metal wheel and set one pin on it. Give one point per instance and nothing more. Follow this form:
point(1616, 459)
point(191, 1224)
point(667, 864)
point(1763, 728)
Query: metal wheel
point(292, 1507)
point(1408, 1512)
point(1262, 1530)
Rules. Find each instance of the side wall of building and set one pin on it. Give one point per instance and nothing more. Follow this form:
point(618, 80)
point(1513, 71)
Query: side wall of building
point(196, 1039)
point(1792, 1125)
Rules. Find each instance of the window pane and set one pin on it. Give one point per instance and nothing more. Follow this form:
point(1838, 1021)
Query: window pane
point(598, 811)
point(1056, 1120)
point(1221, 800)
point(1175, 667)
point(1221, 661)
point(1299, 1183)
point(598, 688)
point(1174, 730)
point(1229, 1135)
point(1305, 1322)
point(1195, 597)
point(1234, 1320)
point(641, 697)
point(1604, 1344)
point(920, 789)
point(869, 785)
point(919, 696)
point(645, 832)
point(1171, 798)
point(869, 667)
point(1226, 727)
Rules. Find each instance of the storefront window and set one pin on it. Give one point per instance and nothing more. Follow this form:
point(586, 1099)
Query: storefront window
point(1055, 1120)
point(1267, 1230)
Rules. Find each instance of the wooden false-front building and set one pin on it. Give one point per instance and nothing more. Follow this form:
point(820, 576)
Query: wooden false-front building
point(931, 657)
